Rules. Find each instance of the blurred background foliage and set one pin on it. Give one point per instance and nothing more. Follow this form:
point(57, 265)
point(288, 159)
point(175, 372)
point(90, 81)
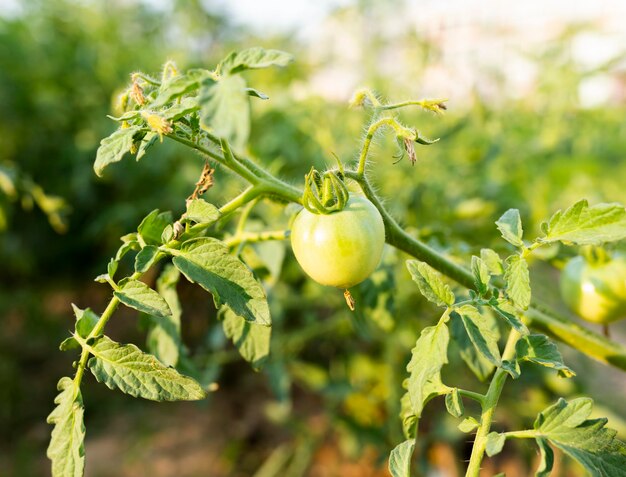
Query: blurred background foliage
point(327, 401)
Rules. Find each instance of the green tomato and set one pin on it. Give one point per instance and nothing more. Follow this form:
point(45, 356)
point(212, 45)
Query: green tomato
point(339, 249)
point(596, 292)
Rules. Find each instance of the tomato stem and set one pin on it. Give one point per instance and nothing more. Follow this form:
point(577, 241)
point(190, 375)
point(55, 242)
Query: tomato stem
point(539, 316)
point(488, 408)
point(434, 105)
point(253, 237)
point(472, 395)
point(400, 130)
point(97, 329)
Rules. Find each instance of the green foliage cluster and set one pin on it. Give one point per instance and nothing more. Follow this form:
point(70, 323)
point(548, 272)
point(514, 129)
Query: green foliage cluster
point(208, 110)
point(491, 158)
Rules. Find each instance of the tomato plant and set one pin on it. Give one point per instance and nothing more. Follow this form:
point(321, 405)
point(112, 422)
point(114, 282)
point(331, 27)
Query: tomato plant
point(595, 290)
point(342, 248)
point(338, 241)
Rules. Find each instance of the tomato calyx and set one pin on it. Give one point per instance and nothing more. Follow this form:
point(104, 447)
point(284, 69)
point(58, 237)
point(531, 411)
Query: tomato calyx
point(324, 193)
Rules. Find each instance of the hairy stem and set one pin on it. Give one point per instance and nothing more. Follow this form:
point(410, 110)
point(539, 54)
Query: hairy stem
point(527, 434)
point(104, 318)
point(472, 395)
point(488, 408)
point(227, 159)
point(193, 145)
point(371, 131)
point(268, 184)
point(539, 316)
point(427, 104)
point(250, 194)
point(250, 237)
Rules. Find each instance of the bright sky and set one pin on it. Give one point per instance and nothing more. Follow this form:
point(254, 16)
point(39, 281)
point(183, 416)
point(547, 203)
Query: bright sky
point(279, 15)
point(470, 28)
point(305, 15)
point(275, 15)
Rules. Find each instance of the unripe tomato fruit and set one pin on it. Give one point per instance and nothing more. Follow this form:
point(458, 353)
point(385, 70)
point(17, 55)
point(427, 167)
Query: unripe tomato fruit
point(339, 249)
point(596, 292)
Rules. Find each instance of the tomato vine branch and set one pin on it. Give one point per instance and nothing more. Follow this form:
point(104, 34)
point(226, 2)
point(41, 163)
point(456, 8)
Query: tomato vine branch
point(539, 316)
point(399, 129)
point(488, 408)
point(472, 395)
point(97, 330)
point(253, 237)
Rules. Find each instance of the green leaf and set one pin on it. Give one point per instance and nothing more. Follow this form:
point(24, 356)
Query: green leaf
point(112, 267)
point(66, 449)
point(506, 310)
point(546, 458)
point(517, 281)
point(85, 322)
point(480, 270)
point(540, 350)
point(407, 416)
point(225, 109)
point(151, 227)
point(483, 336)
point(168, 234)
point(468, 425)
point(68, 344)
point(141, 297)
point(201, 212)
point(495, 443)
point(178, 110)
point(400, 459)
point(477, 363)
point(563, 416)
point(454, 403)
point(511, 367)
point(251, 339)
point(424, 141)
point(588, 441)
point(127, 368)
point(113, 148)
point(492, 260)
point(256, 93)
point(127, 116)
point(510, 226)
point(254, 58)
point(131, 237)
point(207, 261)
point(430, 283)
point(146, 257)
point(164, 340)
point(584, 225)
point(178, 86)
point(146, 143)
point(427, 358)
point(127, 247)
